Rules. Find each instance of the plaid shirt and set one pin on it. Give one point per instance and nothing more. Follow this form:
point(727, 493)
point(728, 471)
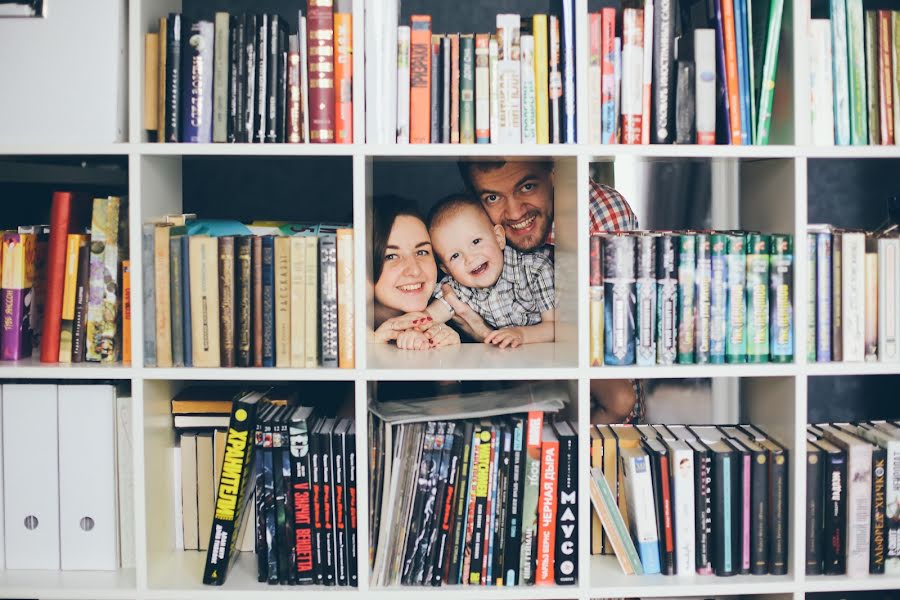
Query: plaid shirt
point(609, 210)
point(523, 291)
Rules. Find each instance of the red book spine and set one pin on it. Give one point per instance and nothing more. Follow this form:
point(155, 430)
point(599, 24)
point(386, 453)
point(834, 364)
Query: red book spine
point(885, 78)
point(60, 214)
point(668, 539)
point(546, 545)
point(320, 23)
point(731, 73)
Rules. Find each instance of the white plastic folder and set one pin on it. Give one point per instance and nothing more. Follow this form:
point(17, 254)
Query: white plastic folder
point(88, 533)
point(31, 476)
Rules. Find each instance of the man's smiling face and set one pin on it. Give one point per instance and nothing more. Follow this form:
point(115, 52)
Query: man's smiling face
point(518, 196)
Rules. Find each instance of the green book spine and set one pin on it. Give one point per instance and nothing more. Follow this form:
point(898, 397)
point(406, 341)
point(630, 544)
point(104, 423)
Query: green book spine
point(840, 76)
point(872, 75)
point(859, 127)
point(176, 291)
point(770, 65)
point(467, 89)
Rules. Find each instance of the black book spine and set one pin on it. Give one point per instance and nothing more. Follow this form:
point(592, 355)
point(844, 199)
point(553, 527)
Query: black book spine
point(742, 511)
point(814, 523)
point(288, 491)
point(269, 508)
point(420, 516)
point(232, 494)
point(436, 98)
point(250, 79)
point(442, 472)
point(244, 295)
point(759, 513)
point(236, 84)
point(328, 331)
point(662, 130)
point(272, 79)
point(703, 503)
point(350, 473)
point(445, 88)
point(566, 552)
point(268, 301)
point(173, 78)
point(512, 547)
point(262, 75)
point(279, 452)
point(505, 459)
point(778, 515)
point(724, 559)
point(659, 474)
point(834, 489)
point(281, 110)
point(448, 507)
point(685, 105)
point(328, 539)
point(318, 512)
point(262, 563)
point(567, 69)
point(340, 489)
point(79, 327)
point(878, 549)
point(301, 485)
point(454, 564)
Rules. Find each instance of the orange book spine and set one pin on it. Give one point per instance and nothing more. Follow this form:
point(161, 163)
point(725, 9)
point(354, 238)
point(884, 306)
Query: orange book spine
point(885, 78)
point(547, 507)
point(420, 79)
point(731, 74)
point(126, 311)
point(343, 74)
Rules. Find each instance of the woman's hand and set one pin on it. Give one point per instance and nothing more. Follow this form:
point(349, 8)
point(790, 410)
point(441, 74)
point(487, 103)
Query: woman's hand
point(413, 340)
point(442, 335)
point(390, 330)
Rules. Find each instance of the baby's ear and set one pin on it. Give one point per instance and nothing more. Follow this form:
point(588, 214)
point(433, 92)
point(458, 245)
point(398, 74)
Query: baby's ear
point(500, 234)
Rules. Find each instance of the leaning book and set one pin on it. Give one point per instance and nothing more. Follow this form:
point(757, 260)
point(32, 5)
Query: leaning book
point(233, 493)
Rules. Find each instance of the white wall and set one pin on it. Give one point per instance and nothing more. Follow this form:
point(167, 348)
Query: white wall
point(63, 78)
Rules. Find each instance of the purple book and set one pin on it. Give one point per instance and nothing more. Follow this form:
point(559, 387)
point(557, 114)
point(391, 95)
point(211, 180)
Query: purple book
point(17, 295)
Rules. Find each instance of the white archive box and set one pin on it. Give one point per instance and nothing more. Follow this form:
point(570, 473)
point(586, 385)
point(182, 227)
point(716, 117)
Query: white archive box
point(30, 476)
point(88, 523)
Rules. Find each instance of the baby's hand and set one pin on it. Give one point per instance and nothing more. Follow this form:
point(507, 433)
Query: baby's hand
point(511, 337)
point(412, 340)
point(442, 335)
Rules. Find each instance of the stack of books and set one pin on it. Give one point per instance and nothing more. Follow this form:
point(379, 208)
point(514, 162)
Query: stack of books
point(251, 78)
point(221, 293)
point(687, 297)
point(852, 494)
point(65, 285)
point(854, 301)
point(295, 471)
point(685, 500)
point(854, 74)
point(489, 501)
point(713, 82)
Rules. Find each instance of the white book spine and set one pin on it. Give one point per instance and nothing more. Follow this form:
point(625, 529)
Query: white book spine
point(841, 72)
point(683, 483)
point(176, 487)
point(374, 48)
point(821, 88)
point(529, 123)
point(853, 295)
point(892, 493)
point(705, 85)
point(508, 59)
point(647, 73)
point(641, 510)
point(402, 134)
point(632, 79)
point(595, 82)
point(482, 89)
point(125, 476)
point(859, 508)
point(304, 78)
point(888, 299)
point(493, 60)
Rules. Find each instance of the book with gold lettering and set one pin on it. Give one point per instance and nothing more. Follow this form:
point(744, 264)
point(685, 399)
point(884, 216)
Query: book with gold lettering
point(320, 27)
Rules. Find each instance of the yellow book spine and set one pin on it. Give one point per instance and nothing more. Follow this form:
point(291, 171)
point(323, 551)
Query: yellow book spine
point(204, 265)
point(163, 299)
point(74, 241)
point(126, 311)
point(151, 81)
point(346, 322)
point(161, 85)
point(311, 352)
point(596, 331)
point(298, 302)
point(541, 62)
point(282, 302)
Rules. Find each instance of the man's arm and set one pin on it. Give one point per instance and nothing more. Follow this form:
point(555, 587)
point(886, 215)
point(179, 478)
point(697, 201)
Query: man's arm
point(466, 319)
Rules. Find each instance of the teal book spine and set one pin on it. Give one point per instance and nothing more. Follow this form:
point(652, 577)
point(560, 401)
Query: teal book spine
point(769, 68)
point(840, 75)
point(856, 48)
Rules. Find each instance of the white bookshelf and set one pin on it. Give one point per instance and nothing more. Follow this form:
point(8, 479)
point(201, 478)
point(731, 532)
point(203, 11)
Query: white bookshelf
point(761, 187)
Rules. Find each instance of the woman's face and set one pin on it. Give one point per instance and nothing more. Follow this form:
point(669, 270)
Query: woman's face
point(409, 272)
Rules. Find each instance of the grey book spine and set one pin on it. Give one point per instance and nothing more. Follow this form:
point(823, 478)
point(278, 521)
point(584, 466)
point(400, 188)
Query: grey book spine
point(148, 298)
point(328, 300)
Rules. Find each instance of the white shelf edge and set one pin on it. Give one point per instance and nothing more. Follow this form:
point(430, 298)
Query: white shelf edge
point(247, 374)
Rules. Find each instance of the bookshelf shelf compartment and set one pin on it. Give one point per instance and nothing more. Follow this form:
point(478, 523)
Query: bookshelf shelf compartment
point(71, 585)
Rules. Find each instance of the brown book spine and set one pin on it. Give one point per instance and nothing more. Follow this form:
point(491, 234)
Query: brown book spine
point(245, 299)
point(161, 82)
point(885, 77)
point(295, 112)
point(228, 354)
point(151, 82)
point(420, 79)
point(257, 316)
point(320, 25)
point(454, 88)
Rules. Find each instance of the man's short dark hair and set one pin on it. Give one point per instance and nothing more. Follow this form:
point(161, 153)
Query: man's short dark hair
point(467, 166)
point(449, 206)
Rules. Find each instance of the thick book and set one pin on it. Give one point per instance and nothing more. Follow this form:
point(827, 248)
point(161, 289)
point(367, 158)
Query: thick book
point(815, 464)
point(82, 289)
point(821, 93)
point(17, 292)
point(227, 313)
point(547, 506)
point(343, 71)
point(566, 556)
point(328, 300)
point(244, 286)
point(685, 103)
point(840, 72)
point(311, 301)
point(233, 492)
point(886, 98)
point(420, 79)
point(197, 65)
point(204, 258)
point(148, 295)
point(162, 281)
point(60, 215)
point(186, 300)
point(436, 83)
point(508, 65)
point(220, 77)
point(345, 319)
point(834, 508)
point(403, 83)
point(724, 494)
point(632, 82)
point(661, 476)
point(682, 468)
point(320, 25)
point(294, 116)
point(103, 337)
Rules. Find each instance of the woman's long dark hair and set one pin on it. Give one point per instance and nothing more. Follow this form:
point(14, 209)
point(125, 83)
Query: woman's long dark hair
point(386, 210)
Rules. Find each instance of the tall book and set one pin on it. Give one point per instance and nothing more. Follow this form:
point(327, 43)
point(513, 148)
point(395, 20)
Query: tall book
point(197, 66)
point(74, 243)
point(436, 82)
point(840, 72)
point(705, 86)
point(853, 295)
point(420, 79)
point(641, 509)
point(608, 88)
point(102, 334)
point(295, 116)
point(455, 72)
point(605, 507)
point(446, 58)
point(311, 292)
point(298, 301)
point(547, 506)
point(566, 557)
point(567, 54)
point(403, 81)
point(328, 300)
point(529, 125)
point(204, 258)
point(769, 68)
point(647, 73)
point(872, 77)
point(662, 125)
point(320, 25)
point(554, 79)
point(731, 76)
point(343, 70)
point(60, 215)
point(494, 78)
point(531, 493)
point(243, 301)
point(814, 504)
point(482, 89)
point(173, 78)
point(632, 81)
point(888, 299)
point(541, 75)
point(163, 298)
point(467, 88)
point(594, 73)
point(282, 301)
point(220, 78)
point(508, 65)
point(885, 78)
point(821, 87)
point(268, 301)
point(16, 288)
point(345, 312)
point(856, 61)
point(161, 82)
point(227, 313)
point(81, 300)
point(177, 289)
point(257, 310)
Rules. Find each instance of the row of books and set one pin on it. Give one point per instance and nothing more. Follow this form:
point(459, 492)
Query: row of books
point(662, 75)
point(297, 470)
point(854, 301)
point(684, 500)
point(475, 502)
point(221, 293)
point(855, 75)
point(691, 297)
point(64, 285)
point(514, 86)
point(67, 501)
point(852, 498)
point(251, 78)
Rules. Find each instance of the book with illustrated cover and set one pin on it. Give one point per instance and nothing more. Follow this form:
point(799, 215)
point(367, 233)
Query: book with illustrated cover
point(102, 334)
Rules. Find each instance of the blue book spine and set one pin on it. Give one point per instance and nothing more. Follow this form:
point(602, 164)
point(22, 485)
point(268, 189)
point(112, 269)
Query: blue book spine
point(740, 35)
point(268, 300)
point(186, 300)
point(197, 82)
point(746, 96)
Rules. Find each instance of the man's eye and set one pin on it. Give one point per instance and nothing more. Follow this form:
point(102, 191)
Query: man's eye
point(529, 187)
point(476, 241)
point(491, 198)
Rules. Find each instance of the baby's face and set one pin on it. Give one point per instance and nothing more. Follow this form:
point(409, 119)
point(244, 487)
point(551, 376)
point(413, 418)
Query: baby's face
point(470, 247)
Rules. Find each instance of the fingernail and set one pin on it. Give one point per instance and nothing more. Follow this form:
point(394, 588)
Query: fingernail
point(427, 319)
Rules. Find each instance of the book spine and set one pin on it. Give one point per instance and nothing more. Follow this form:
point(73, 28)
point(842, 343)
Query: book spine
point(257, 309)
point(770, 63)
point(529, 125)
point(596, 306)
point(513, 525)
point(403, 83)
point(435, 87)
point(18, 260)
point(724, 560)
point(298, 302)
point(263, 85)
point(481, 478)
point(445, 507)
point(237, 75)
point(304, 77)
point(299, 433)
point(494, 97)
point(204, 255)
point(871, 308)
point(821, 89)
point(878, 550)
point(268, 301)
point(445, 88)
point(741, 41)
point(530, 497)
point(339, 516)
point(454, 90)
point(641, 510)
point(885, 79)
point(490, 512)
point(187, 333)
point(608, 114)
point(565, 565)
point(60, 215)
point(888, 299)
point(685, 103)
point(663, 48)
point(814, 504)
point(328, 301)
point(148, 296)
point(703, 498)
point(318, 511)
point(647, 73)
point(632, 85)
point(840, 73)
point(895, 64)
point(759, 511)
point(163, 298)
point(420, 79)
point(282, 301)
point(320, 25)
point(102, 334)
point(343, 71)
point(82, 289)
point(173, 78)
point(197, 66)
point(453, 574)
point(467, 69)
point(244, 301)
point(294, 98)
point(311, 328)
point(345, 318)
point(835, 514)
point(873, 82)
point(682, 470)
point(554, 79)
point(509, 79)
point(731, 71)
point(594, 71)
point(227, 316)
point(151, 83)
point(352, 519)
point(73, 245)
point(853, 295)
point(251, 91)
point(279, 544)
point(666, 533)
point(328, 541)
point(482, 89)
point(175, 301)
point(541, 83)
point(220, 89)
point(778, 513)
point(275, 81)
point(857, 70)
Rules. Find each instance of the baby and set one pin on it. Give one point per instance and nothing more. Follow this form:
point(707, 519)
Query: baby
point(512, 291)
